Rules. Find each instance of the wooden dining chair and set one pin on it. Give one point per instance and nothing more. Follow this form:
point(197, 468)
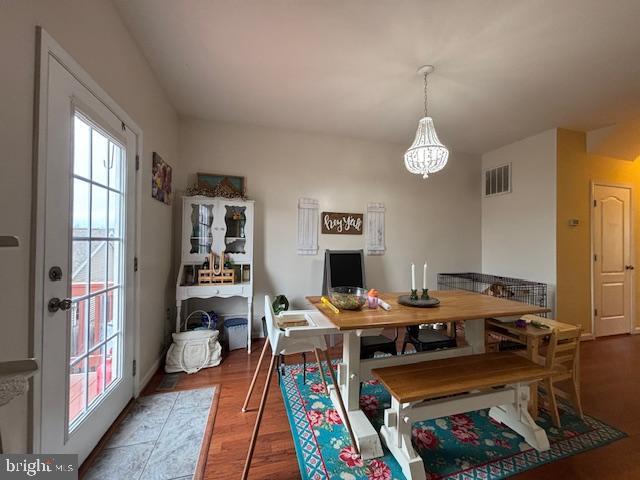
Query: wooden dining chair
point(563, 357)
point(284, 345)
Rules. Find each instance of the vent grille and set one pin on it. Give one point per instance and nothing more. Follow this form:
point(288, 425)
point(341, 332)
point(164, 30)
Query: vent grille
point(497, 180)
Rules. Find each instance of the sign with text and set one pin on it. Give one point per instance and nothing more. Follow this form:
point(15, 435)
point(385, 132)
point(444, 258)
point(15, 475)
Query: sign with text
point(342, 223)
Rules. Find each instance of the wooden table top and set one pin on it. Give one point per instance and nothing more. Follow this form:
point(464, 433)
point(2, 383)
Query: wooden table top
point(455, 305)
point(450, 376)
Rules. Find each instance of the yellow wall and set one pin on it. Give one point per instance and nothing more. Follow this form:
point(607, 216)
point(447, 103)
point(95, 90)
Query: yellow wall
point(576, 171)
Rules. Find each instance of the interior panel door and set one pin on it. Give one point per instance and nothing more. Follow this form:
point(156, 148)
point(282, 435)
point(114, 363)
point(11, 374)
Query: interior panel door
point(612, 260)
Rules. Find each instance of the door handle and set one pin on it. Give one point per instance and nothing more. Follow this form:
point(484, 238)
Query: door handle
point(629, 267)
point(56, 304)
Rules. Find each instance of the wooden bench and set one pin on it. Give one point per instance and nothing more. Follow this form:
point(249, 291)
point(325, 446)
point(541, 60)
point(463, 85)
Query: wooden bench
point(433, 389)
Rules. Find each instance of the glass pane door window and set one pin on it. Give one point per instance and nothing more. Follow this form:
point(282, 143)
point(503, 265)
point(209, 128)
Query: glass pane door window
point(201, 228)
point(235, 219)
point(97, 268)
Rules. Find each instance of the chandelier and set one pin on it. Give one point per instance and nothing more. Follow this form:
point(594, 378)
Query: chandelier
point(427, 154)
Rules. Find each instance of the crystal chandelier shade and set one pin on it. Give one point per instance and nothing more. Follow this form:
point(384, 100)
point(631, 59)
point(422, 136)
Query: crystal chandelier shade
point(427, 154)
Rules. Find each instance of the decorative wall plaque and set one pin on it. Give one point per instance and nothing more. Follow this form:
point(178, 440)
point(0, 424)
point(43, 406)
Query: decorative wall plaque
point(375, 229)
point(307, 226)
point(341, 223)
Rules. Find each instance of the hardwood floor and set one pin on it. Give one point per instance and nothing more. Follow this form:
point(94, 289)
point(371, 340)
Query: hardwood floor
point(610, 392)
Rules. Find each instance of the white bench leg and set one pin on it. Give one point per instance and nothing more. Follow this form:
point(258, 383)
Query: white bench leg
point(512, 411)
point(396, 434)
point(516, 417)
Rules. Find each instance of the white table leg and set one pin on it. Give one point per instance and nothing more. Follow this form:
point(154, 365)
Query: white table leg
point(178, 319)
point(474, 334)
point(249, 322)
point(349, 380)
point(366, 436)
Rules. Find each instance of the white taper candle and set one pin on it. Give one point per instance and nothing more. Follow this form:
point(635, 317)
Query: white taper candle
point(413, 276)
point(424, 276)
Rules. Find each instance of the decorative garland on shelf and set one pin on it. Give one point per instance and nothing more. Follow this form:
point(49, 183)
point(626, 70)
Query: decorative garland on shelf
point(220, 190)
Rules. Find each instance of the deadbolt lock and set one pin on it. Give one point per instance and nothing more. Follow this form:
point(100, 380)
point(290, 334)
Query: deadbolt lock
point(55, 274)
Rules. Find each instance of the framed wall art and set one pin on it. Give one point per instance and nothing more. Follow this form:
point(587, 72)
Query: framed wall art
point(161, 174)
point(228, 185)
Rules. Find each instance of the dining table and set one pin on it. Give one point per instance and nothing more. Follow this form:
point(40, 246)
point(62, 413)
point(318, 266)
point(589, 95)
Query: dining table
point(455, 306)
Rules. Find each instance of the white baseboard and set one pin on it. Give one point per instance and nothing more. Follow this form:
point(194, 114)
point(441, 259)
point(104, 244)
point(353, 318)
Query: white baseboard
point(144, 380)
point(591, 336)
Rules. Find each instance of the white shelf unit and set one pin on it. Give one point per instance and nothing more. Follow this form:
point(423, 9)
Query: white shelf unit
point(225, 227)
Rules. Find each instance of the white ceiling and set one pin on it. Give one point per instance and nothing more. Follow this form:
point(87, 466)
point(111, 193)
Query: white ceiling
point(505, 69)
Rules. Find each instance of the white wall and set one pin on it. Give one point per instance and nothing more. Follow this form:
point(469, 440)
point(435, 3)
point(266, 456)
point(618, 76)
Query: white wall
point(92, 32)
point(436, 219)
point(519, 228)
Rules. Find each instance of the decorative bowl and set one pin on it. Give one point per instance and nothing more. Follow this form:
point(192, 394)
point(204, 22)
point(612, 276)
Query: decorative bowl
point(348, 298)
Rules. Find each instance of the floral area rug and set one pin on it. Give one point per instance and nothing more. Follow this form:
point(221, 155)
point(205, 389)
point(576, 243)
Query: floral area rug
point(467, 446)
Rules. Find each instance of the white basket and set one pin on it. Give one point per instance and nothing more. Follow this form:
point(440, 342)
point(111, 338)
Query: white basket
point(193, 350)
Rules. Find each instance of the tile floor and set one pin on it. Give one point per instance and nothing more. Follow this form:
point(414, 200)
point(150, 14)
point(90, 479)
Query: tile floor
point(159, 439)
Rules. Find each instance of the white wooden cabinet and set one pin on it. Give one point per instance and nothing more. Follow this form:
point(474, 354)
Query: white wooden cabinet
point(225, 227)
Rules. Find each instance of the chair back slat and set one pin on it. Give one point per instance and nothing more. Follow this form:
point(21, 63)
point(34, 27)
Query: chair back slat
point(564, 359)
point(566, 347)
point(569, 334)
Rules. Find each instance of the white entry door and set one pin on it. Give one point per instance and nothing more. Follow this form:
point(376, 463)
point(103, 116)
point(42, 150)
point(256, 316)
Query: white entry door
point(613, 271)
point(88, 288)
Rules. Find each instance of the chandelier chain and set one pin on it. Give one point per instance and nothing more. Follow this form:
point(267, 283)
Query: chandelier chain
point(425, 93)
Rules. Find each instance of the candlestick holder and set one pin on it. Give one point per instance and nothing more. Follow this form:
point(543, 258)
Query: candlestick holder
point(413, 301)
point(425, 294)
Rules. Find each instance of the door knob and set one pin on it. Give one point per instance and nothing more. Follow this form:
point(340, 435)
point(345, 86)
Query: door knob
point(56, 304)
point(629, 267)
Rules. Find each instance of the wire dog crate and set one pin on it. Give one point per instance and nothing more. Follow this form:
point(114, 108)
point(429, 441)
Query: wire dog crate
point(525, 291)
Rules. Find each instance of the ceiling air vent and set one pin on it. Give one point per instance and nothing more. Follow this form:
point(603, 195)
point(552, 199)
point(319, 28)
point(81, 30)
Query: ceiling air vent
point(497, 180)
